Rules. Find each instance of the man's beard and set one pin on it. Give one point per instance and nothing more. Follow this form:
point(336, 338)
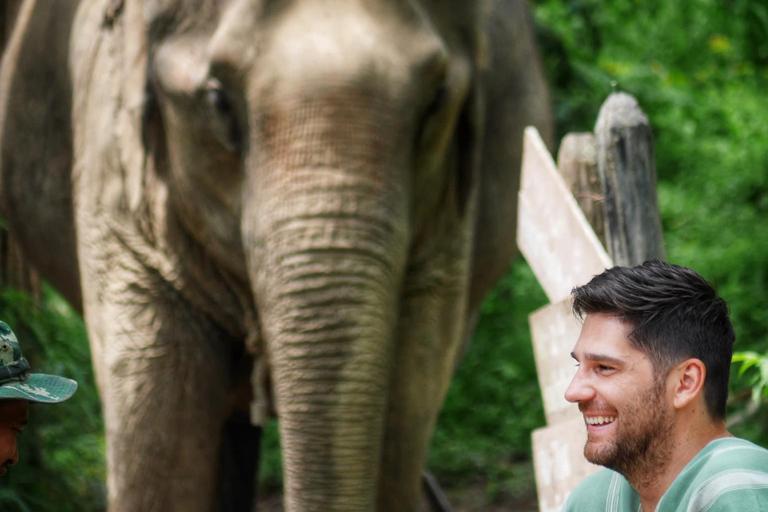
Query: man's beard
point(643, 438)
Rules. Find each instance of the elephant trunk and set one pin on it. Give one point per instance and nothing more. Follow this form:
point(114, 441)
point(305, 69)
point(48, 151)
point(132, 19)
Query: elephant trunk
point(327, 244)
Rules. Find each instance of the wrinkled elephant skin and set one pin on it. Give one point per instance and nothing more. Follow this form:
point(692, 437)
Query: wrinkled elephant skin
point(323, 190)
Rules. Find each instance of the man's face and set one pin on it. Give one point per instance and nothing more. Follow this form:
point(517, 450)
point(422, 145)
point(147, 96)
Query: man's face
point(628, 416)
point(13, 418)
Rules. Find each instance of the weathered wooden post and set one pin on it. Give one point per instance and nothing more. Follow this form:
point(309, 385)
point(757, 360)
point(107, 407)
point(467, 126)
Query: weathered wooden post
point(577, 162)
point(613, 178)
point(628, 174)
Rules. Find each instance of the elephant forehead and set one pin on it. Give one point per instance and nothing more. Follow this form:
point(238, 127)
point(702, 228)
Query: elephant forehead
point(358, 41)
point(180, 64)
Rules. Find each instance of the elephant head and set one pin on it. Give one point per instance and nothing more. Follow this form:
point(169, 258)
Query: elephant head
point(329, 183)
point(326, 149)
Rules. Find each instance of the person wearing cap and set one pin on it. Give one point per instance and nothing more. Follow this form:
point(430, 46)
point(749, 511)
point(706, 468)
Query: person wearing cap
point(18, 389)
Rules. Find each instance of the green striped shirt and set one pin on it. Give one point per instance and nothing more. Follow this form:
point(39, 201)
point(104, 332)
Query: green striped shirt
point(728, 475)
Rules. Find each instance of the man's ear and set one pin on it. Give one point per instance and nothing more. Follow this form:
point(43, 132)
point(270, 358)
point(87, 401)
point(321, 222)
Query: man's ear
point(687, 381)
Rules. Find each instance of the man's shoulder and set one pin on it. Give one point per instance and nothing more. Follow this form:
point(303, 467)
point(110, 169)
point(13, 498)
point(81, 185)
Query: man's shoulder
point(595, 491)
point(729, 454)
point(728, 474)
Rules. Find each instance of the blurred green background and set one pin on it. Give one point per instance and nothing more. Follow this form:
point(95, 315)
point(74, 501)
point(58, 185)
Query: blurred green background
point(699, 69)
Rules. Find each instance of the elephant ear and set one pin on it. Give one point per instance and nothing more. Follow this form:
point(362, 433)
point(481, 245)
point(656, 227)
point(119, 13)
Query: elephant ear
point(516, 96)
point(36, 139)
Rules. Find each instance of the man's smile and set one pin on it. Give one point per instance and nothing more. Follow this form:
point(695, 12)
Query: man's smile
point(599, 420)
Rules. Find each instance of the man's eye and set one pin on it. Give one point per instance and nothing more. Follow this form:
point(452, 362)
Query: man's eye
point(604, 369)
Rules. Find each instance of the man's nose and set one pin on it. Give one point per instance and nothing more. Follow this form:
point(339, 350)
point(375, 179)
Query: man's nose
point(579, 390)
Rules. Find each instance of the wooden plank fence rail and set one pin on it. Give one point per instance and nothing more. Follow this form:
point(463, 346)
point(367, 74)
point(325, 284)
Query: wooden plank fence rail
point(613, 178)
point(563, 251)
point(552, 232)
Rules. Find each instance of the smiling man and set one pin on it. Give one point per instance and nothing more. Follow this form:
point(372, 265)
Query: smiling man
point(19, 388)
point(653, 363)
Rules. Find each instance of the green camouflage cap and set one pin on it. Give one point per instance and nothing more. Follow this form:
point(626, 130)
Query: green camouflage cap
point(17, 383)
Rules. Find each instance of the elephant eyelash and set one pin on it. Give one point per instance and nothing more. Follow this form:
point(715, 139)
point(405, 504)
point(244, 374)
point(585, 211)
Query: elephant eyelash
point(431, 121)
point(438, 100)
point(223, 116)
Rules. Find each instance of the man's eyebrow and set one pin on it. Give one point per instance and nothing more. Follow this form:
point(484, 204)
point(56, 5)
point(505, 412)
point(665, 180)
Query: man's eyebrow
point(604, 358)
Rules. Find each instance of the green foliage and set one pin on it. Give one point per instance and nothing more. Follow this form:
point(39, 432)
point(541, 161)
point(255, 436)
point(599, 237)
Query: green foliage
point(494, 401)
point(61, 465)
point(698, 70)
point(759, 379)
point(271, 463)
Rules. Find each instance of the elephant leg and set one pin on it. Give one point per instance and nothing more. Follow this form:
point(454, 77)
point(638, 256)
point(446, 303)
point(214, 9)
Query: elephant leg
point(165, 382)
point(426, 355)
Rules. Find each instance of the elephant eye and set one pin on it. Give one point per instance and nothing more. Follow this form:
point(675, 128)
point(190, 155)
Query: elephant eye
point(216, 99)
point(438, 101)
point(436, 121)
point(222, 115)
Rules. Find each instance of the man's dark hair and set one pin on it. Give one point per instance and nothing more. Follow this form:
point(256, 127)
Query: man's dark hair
point(675, 314)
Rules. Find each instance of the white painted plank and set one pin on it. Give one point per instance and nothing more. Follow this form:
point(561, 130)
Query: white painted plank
point(555, 330)
point(552, 233)
point(559, 463)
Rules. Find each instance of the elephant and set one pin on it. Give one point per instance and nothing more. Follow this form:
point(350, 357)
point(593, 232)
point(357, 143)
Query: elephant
point(287, 206)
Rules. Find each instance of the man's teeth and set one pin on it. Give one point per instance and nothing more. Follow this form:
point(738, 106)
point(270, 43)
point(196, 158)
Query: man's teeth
point(599, 420)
